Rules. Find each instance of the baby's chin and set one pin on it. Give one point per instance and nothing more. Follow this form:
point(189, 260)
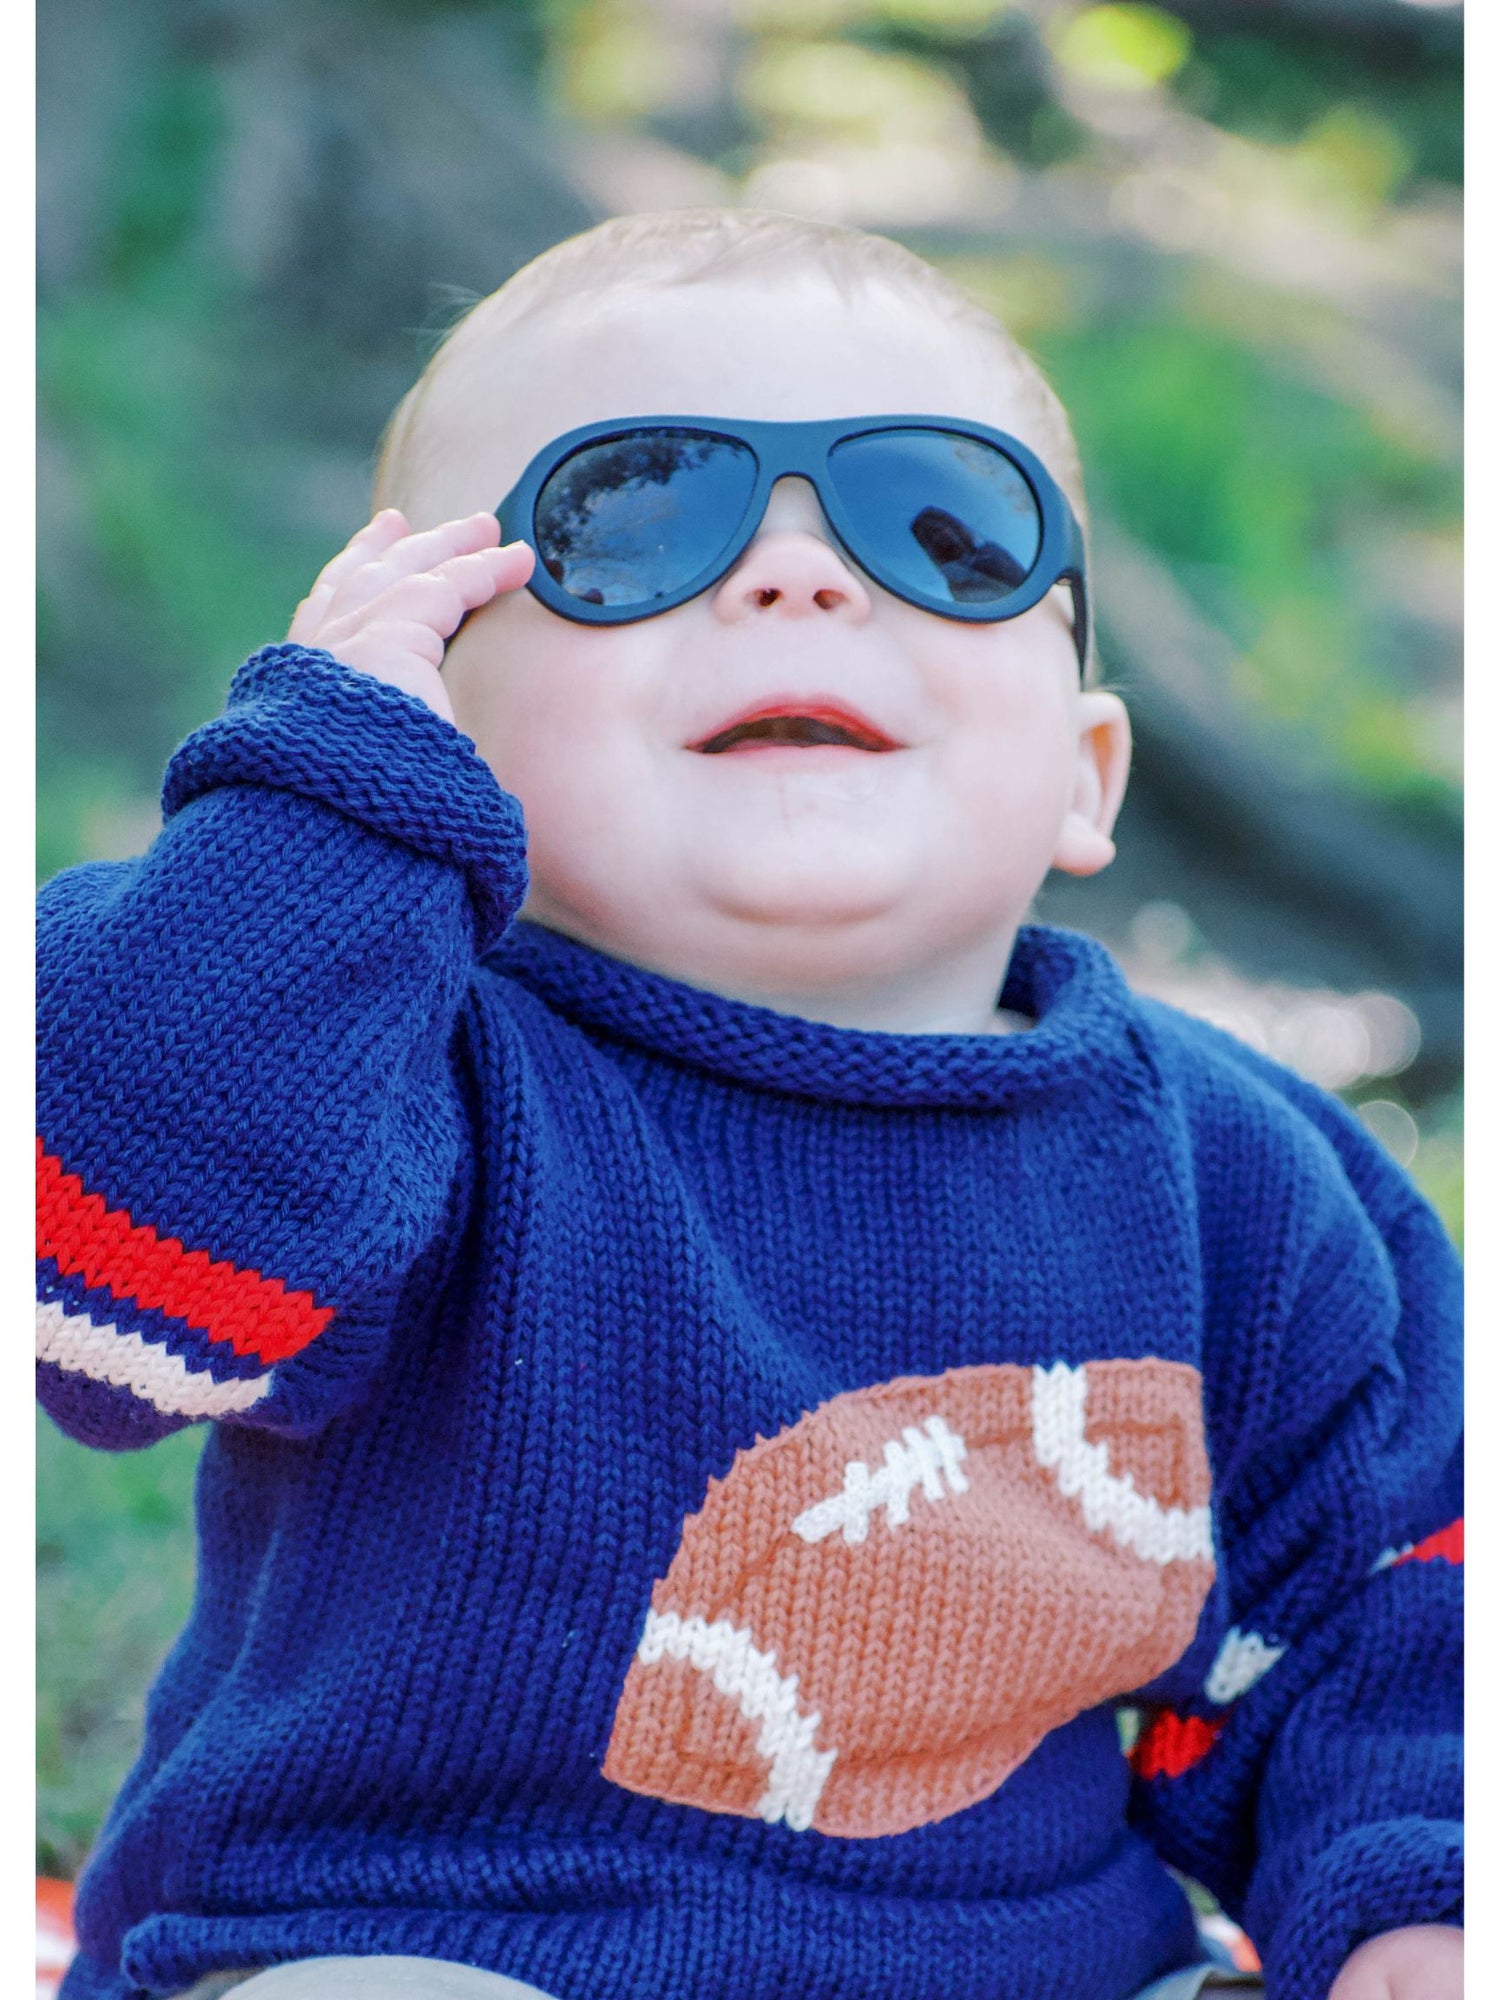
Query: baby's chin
point(743, 924)
point(814, 905)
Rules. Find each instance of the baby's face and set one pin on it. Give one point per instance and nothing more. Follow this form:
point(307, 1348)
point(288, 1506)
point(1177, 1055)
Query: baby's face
point(773, 869)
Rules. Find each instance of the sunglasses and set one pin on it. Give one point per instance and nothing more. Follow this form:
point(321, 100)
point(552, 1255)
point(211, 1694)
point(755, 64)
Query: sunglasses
point(632, 518)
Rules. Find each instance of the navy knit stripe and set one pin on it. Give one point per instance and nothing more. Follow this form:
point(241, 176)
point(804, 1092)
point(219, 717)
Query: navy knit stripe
point(106, 1308)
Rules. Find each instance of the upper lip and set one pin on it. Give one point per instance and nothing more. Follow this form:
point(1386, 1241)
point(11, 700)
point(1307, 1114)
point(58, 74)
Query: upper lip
point(820, 709)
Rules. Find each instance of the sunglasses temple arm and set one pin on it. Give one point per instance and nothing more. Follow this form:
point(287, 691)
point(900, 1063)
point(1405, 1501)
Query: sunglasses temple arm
point(1074, 580)
point(1073, 576)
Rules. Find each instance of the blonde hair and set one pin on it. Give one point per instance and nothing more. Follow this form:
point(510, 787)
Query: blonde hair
point(693, 245)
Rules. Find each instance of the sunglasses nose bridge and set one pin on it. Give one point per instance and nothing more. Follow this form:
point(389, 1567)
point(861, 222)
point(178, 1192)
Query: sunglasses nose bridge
point(794, 500)
point(794, 566)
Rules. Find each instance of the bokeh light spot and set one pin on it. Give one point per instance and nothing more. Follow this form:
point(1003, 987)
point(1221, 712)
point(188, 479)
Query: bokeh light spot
point(1394, 1126)
point(1124, 47)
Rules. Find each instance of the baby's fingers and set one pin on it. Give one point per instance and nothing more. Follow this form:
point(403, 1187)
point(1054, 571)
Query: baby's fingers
point(412, 555)
point(448, 593)
point(441, 598)
point(490, 572)
point(374, 541)
point(359, 552)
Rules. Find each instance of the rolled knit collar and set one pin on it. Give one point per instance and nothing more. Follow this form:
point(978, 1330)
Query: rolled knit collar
point(1084, 1033)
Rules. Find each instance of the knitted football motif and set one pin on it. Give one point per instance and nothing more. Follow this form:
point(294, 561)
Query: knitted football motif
point(882, 1610)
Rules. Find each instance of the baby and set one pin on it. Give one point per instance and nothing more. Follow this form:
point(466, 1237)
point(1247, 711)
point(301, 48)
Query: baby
point(733, 1354)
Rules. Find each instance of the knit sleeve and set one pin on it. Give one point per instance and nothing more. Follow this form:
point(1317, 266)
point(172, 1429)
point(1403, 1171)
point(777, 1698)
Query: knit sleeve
point(252, 1131)
point(1307, 1769)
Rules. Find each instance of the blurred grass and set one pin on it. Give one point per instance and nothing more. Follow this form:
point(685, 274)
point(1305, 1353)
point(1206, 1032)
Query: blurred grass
point(114, 1585)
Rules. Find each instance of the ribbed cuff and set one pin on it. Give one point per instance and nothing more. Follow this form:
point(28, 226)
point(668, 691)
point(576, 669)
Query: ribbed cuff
point(297, 720)
point(1372, 1879)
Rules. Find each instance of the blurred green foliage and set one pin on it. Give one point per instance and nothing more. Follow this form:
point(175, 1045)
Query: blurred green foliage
point(1282, 497)
point(1438, 1165)
point(1124, 46)
point(1280, 89)
point(167, 159)
point(1254, 483)
point(179, 534)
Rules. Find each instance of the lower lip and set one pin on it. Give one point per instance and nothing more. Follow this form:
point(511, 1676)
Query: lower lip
point(781, 747)
point(764, 749)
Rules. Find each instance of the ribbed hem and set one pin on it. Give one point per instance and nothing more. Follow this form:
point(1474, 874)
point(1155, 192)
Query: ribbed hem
point(675, 1929)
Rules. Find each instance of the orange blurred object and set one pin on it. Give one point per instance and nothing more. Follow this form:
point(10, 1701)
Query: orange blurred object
point(1229, 1937)
point(55, 1942)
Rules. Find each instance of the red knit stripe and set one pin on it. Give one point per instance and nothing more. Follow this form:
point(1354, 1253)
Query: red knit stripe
point(1172, 1744)
point(1447, 1545)
point(104, 1246)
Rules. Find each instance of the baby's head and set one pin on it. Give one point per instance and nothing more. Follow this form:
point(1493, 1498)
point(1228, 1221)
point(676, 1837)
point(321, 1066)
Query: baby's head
point(861, 880)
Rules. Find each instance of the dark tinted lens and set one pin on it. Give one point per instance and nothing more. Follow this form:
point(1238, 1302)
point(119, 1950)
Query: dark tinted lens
point(633, 518)
point(946, 516)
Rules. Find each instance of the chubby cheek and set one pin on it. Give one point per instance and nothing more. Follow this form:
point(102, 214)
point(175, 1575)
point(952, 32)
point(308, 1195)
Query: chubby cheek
point(591, 828)
point(1009, 758)
point(554, 717)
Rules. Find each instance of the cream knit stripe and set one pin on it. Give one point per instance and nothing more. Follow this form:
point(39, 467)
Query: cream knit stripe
point(751, 1679)
point(918, 1457)
point(124, 1360)
point(1239, 1664)
point(1158, 1534)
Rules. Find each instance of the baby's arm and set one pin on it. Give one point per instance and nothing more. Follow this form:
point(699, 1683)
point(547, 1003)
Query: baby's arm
point(1310, 1772)
point(252, 1130)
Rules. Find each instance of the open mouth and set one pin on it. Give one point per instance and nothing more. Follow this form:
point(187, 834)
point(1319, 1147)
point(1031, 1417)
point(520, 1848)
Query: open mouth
point(805, 725)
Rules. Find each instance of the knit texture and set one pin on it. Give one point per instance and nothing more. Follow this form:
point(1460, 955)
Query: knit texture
point(689, 1486)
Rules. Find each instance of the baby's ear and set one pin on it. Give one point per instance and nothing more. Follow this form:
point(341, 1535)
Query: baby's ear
point(1084, 845)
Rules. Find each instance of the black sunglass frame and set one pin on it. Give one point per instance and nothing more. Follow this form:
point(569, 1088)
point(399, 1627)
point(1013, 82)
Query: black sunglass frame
point(801, 450)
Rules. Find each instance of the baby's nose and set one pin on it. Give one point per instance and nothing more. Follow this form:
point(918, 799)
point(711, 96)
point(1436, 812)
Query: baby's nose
point(795, 573)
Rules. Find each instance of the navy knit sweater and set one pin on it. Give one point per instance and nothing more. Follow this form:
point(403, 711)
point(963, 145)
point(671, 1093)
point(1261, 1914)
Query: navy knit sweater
point(691, 1487)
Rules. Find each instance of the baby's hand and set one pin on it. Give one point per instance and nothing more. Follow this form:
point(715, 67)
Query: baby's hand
point(1422, 1962)
point(388, 603)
